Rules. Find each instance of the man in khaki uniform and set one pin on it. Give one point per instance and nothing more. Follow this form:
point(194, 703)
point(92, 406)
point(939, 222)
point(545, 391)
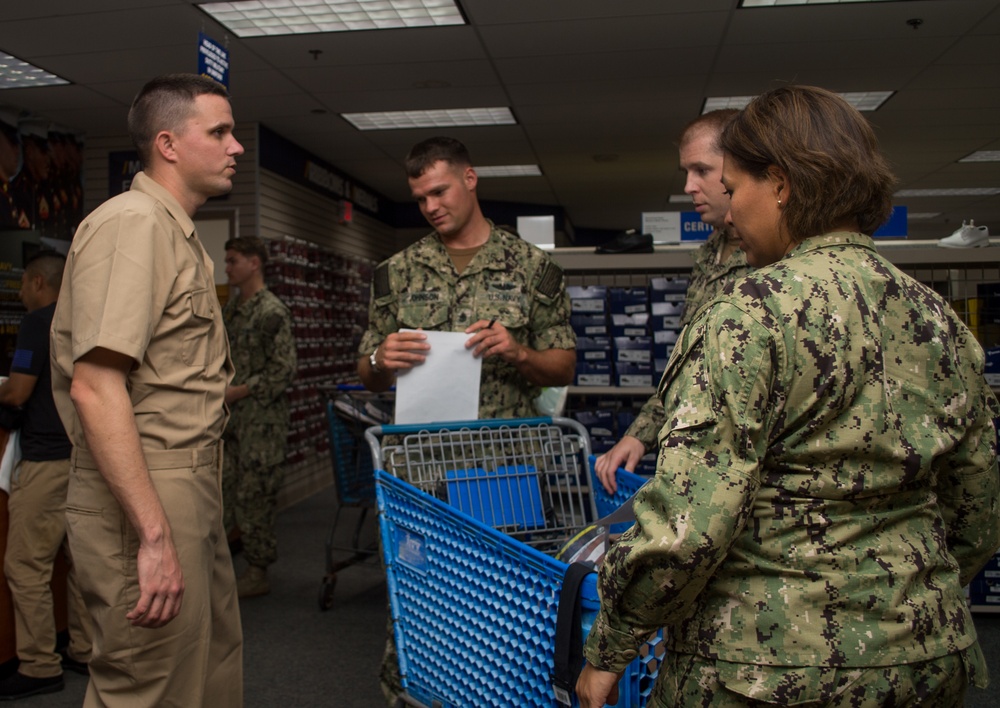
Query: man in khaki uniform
point(140, 365)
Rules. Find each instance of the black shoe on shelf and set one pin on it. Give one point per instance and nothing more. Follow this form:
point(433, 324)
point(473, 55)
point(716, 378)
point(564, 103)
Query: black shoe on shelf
point(18, 685)
point(628, 242)
point(71, 664)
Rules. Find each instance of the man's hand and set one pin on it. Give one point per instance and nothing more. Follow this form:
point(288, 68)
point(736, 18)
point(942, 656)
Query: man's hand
point(626, 453)
point(236, 393)
point(596, 688)
point(161, 585)
point(402, 350)
point(490, 338)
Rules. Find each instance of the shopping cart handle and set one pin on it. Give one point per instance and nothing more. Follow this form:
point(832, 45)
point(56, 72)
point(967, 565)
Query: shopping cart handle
point(458, 425)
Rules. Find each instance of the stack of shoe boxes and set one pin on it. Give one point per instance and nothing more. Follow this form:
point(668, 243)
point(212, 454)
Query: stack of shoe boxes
point(666, 305)
point(984, 591)
point(600, 425)
point(632, 345)
point(589, 319)
point(327, 294)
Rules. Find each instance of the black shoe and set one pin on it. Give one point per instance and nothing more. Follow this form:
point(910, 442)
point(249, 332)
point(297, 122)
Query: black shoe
point(20, 686)
point(236, 547)
point(628, 242)
point(71, 664)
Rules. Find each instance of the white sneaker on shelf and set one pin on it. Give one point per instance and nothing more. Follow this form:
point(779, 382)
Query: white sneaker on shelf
point(967, 236)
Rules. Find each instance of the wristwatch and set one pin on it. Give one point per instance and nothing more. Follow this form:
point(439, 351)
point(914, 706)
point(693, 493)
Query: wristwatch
point(373, 363)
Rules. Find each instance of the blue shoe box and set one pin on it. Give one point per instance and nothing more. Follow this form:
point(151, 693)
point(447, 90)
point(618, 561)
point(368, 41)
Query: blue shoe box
point(588, 299)
point(992, 369)
point(590, 325)
point(593, 349)
point(631, 375)
point(668, 289)
point(628, 301)
point(599, 423)
point(593, 374)
point(635, 325)
point(633, 350)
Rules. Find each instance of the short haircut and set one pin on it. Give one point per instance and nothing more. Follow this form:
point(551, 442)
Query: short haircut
point(248, 246)
point(713, 121)
point(827, 149)
point(48, 264)
point(165, 103)
point(425, 153)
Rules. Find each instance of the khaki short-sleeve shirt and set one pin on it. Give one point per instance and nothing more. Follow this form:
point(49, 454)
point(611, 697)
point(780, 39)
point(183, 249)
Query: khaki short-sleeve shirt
point(138, 282)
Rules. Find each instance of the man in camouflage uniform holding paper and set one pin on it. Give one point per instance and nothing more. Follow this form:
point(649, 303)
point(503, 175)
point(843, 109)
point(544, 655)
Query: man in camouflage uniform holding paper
point(461, 278)
point(263, 350)
point(467, 276)
point(716, 261)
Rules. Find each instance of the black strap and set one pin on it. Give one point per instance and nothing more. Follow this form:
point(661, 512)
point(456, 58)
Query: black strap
point(569, 634)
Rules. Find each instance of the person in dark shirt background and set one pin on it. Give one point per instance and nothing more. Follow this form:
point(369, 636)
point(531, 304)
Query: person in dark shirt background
point(37, 503)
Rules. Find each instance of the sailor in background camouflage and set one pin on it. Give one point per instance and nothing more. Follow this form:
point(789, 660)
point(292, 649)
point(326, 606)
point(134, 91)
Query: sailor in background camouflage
point(462, 277)
point(827, 478)
point(716, 261)
point(263, 351)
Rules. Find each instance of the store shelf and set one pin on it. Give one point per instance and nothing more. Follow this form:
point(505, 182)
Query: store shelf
point(645, 391)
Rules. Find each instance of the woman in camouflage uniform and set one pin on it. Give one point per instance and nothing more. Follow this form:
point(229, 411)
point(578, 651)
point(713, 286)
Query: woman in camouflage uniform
point(826, 478)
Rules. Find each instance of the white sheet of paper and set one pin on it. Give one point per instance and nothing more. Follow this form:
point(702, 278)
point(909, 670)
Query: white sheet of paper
point(445, 387)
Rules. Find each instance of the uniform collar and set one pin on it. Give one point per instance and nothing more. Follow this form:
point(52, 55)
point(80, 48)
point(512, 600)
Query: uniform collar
point(837, 238)
point(147, 185)
point(491, 255)
point(253, 298)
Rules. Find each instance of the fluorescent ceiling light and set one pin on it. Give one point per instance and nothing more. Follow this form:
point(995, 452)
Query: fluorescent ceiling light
point(862, 100)
point(509, 171)
point(680, 199)
point(982, 156)
point(921, 215)
point(447, 118)
point(258, 18)
point(15, 73)
point(778, 3)
point(961, 192)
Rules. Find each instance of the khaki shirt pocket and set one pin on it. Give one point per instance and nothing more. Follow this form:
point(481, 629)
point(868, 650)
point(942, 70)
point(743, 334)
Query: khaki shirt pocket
point(200, 345)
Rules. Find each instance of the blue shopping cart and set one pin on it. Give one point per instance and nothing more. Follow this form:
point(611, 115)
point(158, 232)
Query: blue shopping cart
point(470, 516)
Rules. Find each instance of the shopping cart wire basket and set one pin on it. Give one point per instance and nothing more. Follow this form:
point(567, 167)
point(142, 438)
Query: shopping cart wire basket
point(475, 607)
point(350, 409)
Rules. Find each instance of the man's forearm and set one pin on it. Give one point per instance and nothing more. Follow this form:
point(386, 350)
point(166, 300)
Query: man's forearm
point(551, 367)
point(105, 412)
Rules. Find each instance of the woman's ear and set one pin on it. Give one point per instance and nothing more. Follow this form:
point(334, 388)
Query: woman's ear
point(780, 183)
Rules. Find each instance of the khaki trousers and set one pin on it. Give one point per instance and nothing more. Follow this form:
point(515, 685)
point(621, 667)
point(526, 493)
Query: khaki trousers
point(195, 660)
point(37, 509)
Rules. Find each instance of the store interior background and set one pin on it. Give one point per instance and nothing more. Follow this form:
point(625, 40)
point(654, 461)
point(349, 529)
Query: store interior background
point(599, 90)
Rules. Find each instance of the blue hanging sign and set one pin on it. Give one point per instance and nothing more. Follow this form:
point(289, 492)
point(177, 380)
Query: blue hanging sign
point(213, 59)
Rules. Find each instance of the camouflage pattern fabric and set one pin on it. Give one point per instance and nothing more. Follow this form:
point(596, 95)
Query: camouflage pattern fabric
point(508, 279)
point(826, 478)
point(694, 682)
point(263, 352)
point(710, 273)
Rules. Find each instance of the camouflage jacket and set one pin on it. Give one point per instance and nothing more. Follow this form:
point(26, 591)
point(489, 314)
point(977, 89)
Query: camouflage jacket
point(710, 273)
point(826, 479)
point(263, 352)
point(508, 278)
